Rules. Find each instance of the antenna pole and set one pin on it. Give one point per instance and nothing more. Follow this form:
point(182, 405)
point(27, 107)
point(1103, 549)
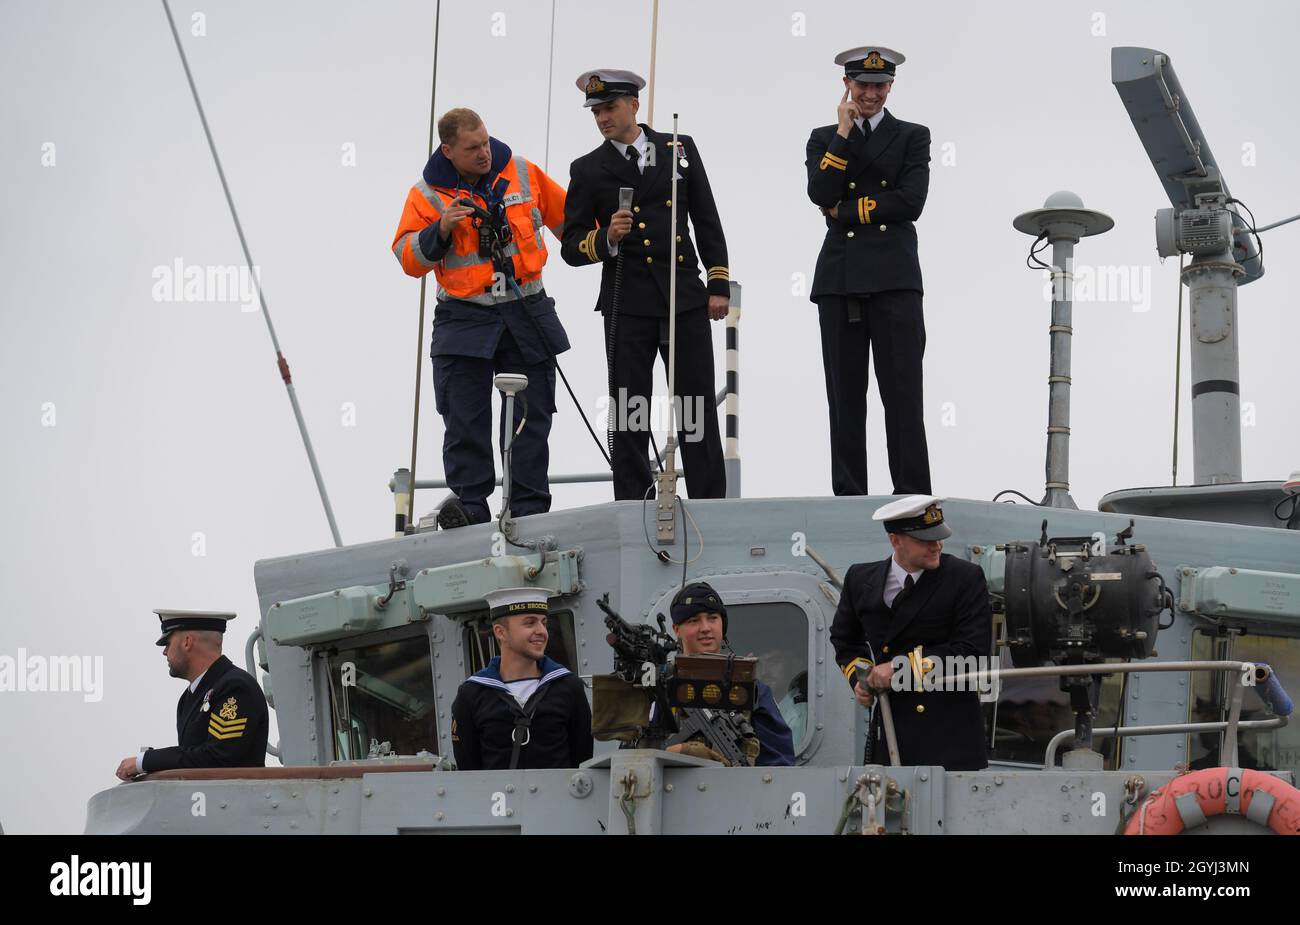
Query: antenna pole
point(666, 500)
point(654, 39)
point(281, 362)
point(424, 283)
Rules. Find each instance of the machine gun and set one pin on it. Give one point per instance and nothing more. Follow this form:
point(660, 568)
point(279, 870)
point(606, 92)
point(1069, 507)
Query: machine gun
point(704, 697)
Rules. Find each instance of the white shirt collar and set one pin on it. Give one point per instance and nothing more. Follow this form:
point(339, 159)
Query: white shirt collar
point(640, 142)
point(896, 580)
point(900, 574)
point(194, 685)
point(874, 120)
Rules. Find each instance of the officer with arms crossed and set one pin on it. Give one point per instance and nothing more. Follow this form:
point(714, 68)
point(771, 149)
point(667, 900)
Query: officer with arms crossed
point(634, 301)
point(870, 174)
point(475, 218)
point(929, 607)
point(524, 710)
point(221, 718)
point(700, 623)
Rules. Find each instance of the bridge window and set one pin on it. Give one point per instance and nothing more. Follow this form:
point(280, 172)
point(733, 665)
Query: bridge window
point(1260, 749)
point(481, 645)
point(776, 632)
point(383, 692)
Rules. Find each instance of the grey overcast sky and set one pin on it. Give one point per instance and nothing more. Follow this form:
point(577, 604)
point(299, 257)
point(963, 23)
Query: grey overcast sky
point(151, 455)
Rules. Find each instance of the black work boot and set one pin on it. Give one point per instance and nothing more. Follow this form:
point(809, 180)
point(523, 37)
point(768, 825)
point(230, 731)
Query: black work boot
point(452, 514)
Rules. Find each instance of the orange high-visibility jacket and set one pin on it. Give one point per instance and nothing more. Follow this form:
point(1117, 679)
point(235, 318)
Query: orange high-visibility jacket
point(533, 201)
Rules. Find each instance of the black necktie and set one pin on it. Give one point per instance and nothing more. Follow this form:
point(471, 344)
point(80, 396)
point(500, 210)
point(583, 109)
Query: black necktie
point(908, 584)
point(866, 128)
point(634, 157)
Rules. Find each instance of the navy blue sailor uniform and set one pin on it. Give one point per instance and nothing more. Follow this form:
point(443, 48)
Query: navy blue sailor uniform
point(639, 327)
point(776, 743)
point(867, 286)
point(485, 716)
point(945, 614)
point(222, 724)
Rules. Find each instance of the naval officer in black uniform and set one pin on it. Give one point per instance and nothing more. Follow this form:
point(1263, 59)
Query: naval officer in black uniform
point(869, 173)
point(636, 312)
point(221, 718)
point(929, 607)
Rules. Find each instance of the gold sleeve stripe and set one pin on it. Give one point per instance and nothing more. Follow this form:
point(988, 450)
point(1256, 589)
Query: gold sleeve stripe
point(831, 160)
point(719, 273)
point(865, 205)
point(223, 736)
point(591, 245)
point(852, 666)
point(227, 727)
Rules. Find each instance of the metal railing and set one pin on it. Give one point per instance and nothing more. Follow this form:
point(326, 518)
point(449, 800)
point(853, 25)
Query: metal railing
point(729, 396)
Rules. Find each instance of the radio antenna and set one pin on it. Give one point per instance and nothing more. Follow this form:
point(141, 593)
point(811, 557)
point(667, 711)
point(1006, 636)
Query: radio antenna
point(280, 361)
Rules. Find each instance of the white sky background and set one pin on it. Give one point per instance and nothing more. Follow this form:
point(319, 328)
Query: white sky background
point(170, 419)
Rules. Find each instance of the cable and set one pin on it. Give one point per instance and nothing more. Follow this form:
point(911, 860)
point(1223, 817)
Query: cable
point(1295, 508)
point(1012, 491)
point(550, 80)
point(1178, 365)
point(686, 538)
point(1259, 242)
point(662, 554)
point(424, 280)
point(1031, 260)
point(556, 360)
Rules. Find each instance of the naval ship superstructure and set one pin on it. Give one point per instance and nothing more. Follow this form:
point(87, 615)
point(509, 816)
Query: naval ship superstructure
point(1147, 641)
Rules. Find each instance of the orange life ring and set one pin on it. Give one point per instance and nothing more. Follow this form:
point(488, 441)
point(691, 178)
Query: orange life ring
point(1190, 799)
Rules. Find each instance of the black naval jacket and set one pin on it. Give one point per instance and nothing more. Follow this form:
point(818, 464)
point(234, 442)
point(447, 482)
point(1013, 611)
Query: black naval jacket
point(594, 181)
point(880, 183)
point(947, 613)
point(483, 723)
point(223, 724)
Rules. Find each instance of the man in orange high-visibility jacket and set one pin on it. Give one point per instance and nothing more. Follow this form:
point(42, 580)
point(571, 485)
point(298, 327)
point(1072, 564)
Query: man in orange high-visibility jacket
point(475, 218)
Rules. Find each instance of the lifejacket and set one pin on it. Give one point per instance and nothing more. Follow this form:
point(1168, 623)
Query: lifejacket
point(1189, 800)
point(533, 201)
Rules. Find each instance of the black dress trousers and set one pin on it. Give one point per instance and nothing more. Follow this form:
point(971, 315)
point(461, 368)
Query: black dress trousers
point(636, 341)
point(890, 326)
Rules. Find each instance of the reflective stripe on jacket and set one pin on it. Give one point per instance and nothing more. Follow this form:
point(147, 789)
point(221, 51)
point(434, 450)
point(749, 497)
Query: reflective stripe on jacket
point(532, 201)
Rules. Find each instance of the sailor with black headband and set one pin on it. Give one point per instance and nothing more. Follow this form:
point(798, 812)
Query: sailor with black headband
point(700, 623)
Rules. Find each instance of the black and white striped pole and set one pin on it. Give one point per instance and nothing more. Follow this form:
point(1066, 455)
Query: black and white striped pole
point(731, 393)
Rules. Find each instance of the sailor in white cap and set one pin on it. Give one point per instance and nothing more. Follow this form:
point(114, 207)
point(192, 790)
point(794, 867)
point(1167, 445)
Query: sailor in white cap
point(929, 611)
point(524, 710)
point(633, 247)
point(221, 719)
point(869, 174)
